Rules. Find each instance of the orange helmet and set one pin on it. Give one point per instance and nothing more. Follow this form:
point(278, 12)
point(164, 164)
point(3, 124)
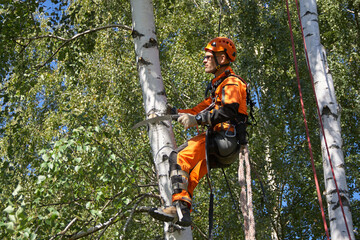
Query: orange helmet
point(222, 44)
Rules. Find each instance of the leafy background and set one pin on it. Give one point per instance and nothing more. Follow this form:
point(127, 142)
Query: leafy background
point(70, 160)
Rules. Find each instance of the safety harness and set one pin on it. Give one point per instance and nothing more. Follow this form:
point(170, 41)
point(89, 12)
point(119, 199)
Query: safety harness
point(212, 88)
point(180, 178)
point(240, 124)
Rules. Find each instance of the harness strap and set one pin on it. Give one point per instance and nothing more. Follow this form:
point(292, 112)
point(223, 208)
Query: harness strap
point(179, 180)
point(211, 203)
point(211, 215)
point(180, 186)
point(179, 173)
point(212, 87)
point(242, 120)
point(249, 101)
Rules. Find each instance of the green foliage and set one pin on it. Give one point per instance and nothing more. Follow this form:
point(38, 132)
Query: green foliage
point(69, 159)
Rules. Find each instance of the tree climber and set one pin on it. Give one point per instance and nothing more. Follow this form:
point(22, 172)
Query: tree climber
point(225, 115)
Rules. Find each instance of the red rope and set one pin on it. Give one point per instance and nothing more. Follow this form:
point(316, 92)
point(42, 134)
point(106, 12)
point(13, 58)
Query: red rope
point(306, 126)
point(321, 123)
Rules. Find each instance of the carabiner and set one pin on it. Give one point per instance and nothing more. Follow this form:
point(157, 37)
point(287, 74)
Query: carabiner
point(230, 134)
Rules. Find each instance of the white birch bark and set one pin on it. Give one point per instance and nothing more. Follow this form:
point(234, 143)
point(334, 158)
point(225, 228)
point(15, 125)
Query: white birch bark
point(330, 115)
point(243, 198)
point(155, 103)
point(249, 194)
point(246, 205)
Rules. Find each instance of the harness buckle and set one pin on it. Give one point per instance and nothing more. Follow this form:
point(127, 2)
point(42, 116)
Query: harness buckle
point(229, 133)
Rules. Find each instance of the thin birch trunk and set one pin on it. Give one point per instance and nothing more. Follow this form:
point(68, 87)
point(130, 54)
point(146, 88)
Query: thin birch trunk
point(330, 115)
point(243, 200)
point(249, 195)
point(246, 205)
point(161, 136)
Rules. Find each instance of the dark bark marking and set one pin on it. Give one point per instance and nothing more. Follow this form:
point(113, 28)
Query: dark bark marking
point(341, 191)
point(136, 34)
point(142, 61)
point(344, 201)
point(165, 157)
point(153, 113)
point(341, 165)
point(334, 146)
point(152, 43)
point(326, 111)
point(310, 13)
point(161, 93)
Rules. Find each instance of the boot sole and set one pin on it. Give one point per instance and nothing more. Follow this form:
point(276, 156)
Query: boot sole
point(161, 216)
point(184, 224)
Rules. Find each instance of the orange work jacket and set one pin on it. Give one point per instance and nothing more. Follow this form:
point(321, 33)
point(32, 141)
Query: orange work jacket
point(226, 104)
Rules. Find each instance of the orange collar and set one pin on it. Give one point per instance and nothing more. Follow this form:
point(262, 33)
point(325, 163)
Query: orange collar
point(222, 74)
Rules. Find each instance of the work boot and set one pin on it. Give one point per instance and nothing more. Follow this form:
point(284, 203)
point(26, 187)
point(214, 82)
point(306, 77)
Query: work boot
point(178, 213)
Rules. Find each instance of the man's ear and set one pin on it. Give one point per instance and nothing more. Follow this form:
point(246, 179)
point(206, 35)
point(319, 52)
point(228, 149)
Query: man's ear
point(224, 59)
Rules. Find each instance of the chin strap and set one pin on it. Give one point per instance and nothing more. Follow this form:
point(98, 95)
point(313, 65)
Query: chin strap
point(218, 66)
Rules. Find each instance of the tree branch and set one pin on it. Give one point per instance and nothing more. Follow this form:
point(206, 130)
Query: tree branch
point(115, 218)
point(196, 227)
point(76, 35)
point(65, 229)
point(111, 199)
point(102, 232)
point(67, 40)
point(97, 227)
point(131, 216)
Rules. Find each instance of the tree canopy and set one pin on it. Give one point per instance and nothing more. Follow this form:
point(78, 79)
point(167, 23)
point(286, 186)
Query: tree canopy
point(70, 162)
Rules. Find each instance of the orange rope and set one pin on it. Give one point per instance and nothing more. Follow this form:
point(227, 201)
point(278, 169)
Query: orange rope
point(321, 123)
point(306, 126)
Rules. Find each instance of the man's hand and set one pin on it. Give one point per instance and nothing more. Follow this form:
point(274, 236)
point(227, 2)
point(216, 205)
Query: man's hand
point(187, 120)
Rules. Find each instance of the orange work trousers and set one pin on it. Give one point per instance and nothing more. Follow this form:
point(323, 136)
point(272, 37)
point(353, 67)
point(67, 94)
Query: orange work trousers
point(193, 161)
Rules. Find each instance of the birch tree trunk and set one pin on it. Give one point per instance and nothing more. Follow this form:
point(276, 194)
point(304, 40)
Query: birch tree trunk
point(246, 205)
point(161, 136)
point(330, 115)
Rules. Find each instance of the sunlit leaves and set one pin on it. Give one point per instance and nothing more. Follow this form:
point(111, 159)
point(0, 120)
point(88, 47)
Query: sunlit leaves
point(67, 148)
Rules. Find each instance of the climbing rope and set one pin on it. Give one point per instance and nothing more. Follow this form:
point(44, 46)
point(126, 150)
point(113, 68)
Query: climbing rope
point(320, 120)
point(305, 123)
point(220, 13)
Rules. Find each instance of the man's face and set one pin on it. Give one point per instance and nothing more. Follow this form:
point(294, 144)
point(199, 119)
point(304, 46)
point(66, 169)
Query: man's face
point(209, 62)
